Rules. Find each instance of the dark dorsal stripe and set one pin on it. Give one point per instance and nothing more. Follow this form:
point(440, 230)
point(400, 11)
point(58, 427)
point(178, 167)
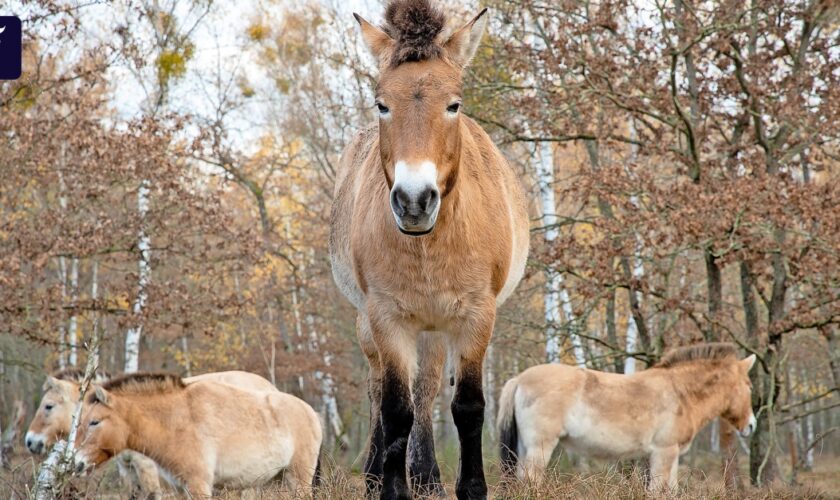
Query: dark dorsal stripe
point(144, 383)
point(698, 352)
point(414, 25)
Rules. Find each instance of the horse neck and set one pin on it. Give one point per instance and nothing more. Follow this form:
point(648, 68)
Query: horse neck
point(148, 434)
point(705, 386)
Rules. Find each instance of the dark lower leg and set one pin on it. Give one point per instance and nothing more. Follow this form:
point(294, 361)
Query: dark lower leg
point(468, 413)
point(422, 464)
point(397, 420)
point(375, 455)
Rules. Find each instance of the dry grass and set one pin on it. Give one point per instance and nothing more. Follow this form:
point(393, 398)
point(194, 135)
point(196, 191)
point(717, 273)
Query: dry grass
point(338, 483)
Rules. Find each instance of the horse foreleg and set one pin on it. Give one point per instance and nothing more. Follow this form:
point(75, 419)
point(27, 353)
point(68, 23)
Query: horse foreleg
point(664, 463)
point(375, 454)
point(398, 355)
point(468, 408)
point(422, 464)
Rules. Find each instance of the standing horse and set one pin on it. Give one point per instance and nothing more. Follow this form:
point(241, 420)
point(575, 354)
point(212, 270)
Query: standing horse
point(204, 433)
point(429, 235)
point(655, 412)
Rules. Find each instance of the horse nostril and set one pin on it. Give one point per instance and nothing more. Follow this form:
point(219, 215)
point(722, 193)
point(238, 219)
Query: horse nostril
point(400, 202)
point(427, 199)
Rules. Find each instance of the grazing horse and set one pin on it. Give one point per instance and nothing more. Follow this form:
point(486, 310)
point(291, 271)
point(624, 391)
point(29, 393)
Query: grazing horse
point(655, 412)
point(54, 417)
point(429, 235)
point(204, 433)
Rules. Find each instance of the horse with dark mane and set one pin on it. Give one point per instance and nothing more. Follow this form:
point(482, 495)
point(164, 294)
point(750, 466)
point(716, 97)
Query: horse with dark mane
point(429, 235)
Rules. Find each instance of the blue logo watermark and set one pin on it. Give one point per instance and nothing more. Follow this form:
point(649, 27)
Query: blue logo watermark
point(11, 39)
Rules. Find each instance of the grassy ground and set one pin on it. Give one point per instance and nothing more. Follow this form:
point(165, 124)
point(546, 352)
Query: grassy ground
point(604, 481)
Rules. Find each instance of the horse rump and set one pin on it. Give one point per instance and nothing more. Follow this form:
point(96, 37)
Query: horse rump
point(508, 431)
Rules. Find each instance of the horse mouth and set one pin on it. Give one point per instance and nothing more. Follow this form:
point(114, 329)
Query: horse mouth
point(415, 233)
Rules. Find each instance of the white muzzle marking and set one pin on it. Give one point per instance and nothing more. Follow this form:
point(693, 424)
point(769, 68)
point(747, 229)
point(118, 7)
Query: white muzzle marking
point(35, 443)
point(414, 181)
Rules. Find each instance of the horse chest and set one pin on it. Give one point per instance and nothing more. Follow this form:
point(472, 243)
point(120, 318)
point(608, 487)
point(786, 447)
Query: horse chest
point(430, 289)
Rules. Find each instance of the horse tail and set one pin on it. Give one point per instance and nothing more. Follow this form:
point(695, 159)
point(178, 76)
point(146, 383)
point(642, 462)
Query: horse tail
point(508, 431)
point(317, 478)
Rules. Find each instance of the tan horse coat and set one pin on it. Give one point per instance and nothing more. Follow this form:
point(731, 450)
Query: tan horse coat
point(61, 394)
point(655, 413)
point(429, 234)
point(204, 433)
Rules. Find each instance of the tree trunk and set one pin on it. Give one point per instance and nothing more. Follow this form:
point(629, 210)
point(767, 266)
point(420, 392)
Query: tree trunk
point(612, 335)
point(555, 296)
point(144, 244)
point(714, 294)
point(72, 330)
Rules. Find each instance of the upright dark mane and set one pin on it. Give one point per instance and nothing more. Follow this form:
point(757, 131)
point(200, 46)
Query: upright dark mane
point(709, 351)
point(144, 383)
point(415, 26)
point(78, 375)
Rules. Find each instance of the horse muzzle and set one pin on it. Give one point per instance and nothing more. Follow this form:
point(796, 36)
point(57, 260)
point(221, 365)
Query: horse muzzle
point(750, 427)
point(415, 211)
point(34, 443)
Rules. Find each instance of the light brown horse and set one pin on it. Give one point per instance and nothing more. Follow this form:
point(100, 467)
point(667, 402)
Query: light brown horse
point(54, 416)
point(204, 433)
point(655, 412)
point(429, 234)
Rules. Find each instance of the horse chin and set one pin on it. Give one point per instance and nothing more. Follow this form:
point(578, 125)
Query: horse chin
point(415, 233)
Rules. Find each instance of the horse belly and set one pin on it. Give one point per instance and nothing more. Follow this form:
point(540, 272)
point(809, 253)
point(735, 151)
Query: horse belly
point(595, 436)
point(252, 464)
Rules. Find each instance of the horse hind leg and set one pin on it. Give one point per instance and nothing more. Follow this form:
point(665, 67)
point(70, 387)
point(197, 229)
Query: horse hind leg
point(422, 464)
point(373, 468)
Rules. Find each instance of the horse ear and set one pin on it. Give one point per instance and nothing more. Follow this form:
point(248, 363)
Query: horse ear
point(748, 362)
point(101, 396)
point(379, 43)
point(50, 383)
point(463, 44)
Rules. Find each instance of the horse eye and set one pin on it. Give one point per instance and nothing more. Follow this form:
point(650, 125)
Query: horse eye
point(48, 407)
point(454, 107)
point(383, 109)
point(94, 423)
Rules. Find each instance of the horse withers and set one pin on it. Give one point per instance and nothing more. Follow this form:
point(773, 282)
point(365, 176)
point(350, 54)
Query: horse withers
point(204, 433)
point(654, 413)
point(428, 236)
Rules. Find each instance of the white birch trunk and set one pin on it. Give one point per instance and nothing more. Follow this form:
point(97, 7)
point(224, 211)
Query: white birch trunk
point(556, 297)
point(62, 329)
point(72, 336)
point(144, 244)
point(631, 338)
point(62, 264)
point(328, 400)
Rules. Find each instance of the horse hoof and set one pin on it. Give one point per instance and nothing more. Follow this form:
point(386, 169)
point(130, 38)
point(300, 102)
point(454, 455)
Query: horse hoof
point(472, 490)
